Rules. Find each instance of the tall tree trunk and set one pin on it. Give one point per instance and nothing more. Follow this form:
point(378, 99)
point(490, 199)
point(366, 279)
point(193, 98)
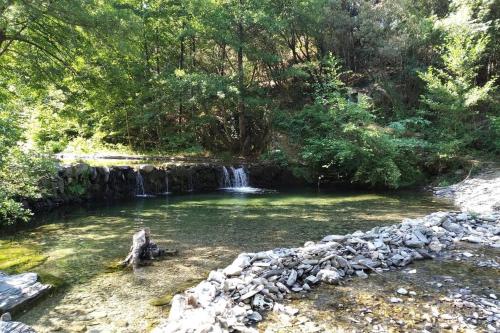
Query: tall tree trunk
point(193, 52)
point(241, 105)
point(181, 66)
point(193, 66)
point(223, 59)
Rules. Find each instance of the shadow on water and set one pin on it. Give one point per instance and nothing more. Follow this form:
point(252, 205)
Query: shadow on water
point(209, 230)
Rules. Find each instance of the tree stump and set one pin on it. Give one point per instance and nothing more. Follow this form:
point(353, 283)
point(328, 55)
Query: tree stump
point(143, 249)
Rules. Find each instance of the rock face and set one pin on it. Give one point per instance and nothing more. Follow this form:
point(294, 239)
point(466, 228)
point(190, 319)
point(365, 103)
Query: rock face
point(268, 175)
point(232, 299)
point(18, 290)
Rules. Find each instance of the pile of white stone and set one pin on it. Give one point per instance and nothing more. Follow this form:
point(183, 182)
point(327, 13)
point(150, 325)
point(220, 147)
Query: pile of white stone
point(479, 194)
point(233, 299)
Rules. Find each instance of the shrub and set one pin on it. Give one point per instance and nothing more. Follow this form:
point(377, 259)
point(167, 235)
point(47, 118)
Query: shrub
point(338, 134)
point(22, 176)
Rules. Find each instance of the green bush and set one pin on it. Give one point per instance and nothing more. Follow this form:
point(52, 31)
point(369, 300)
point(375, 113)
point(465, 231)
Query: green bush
point(12, 211)
point(22, 176)
point(337, 134)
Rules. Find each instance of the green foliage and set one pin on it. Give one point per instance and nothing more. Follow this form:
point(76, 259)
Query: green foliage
point(277, 157)
point(23, 175)
point(12, 211)
point(21, 171)
point(76, 189)
point(410, 88)
point(338, 135)
point(461, 110)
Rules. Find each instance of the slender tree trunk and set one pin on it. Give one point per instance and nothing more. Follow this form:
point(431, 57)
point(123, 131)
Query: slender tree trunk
point(223, 59)
point(182, 51)
point(128, 129)
point(241, 105)
point(293, 46)
point(193, 66)
point(157, 51)
point(193, 51)
point(2, 37)
point(181, 66)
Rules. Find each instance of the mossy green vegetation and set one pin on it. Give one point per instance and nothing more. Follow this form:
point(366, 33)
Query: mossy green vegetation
point(16, 258)
point(163, 300)
point(55, 281)
point(114, 266)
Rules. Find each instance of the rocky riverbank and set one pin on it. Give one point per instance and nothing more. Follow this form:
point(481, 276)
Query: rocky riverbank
point(238, 296)
point(478, 194)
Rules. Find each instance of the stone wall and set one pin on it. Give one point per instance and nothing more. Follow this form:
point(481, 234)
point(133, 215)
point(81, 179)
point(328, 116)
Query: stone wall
point(81, 182)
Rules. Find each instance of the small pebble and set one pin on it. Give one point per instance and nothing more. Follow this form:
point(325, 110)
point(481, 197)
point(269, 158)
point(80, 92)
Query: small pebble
point(6, 317)
point(402, 291)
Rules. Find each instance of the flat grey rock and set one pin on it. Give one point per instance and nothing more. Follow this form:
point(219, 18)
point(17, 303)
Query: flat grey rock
point(15, 327)
point(16, 290)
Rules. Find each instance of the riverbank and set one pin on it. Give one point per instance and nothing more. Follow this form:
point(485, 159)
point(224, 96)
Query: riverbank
point(478, 194)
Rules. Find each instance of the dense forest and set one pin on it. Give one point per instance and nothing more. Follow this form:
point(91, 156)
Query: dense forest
point(374, 92)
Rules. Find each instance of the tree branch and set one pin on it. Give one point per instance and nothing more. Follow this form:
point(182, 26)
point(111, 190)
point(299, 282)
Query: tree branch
point(22, 39)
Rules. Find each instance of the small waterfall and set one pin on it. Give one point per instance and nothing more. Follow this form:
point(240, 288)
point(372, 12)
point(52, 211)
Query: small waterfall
point(190, 181)
point(236, 180)
point(166, 181)
point(140, 192)
point(167, 188)
point(226, 178)
point(139, 185)
point(240, 177)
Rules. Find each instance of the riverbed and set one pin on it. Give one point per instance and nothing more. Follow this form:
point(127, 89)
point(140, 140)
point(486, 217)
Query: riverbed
point(81, 244)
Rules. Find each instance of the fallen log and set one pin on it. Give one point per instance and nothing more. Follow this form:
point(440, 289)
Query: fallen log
point(143, 250)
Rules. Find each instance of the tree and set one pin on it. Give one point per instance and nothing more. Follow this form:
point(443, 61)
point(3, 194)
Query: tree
point(456, 103)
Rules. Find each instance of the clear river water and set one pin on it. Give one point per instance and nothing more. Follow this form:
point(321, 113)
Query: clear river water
point(209, 230)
